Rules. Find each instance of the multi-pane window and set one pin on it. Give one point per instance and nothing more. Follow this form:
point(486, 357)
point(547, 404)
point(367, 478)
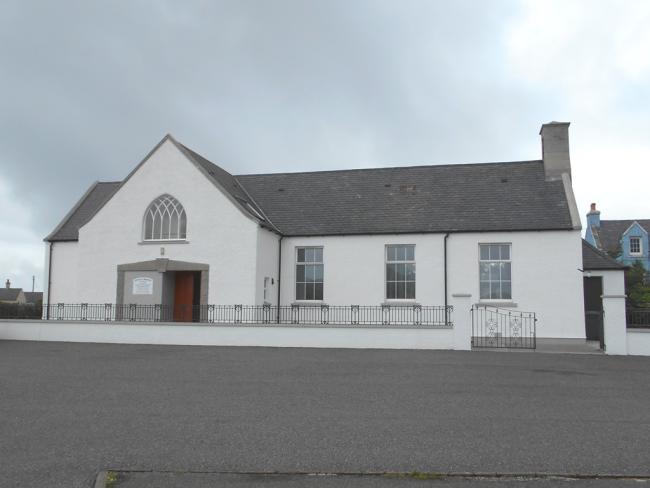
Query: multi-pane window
point(495, 272)
point(165, 219)
point(309, 273)
point(400, 272)
point(635, 245)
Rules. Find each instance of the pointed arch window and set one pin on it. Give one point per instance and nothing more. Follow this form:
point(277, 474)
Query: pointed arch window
point(165, 220)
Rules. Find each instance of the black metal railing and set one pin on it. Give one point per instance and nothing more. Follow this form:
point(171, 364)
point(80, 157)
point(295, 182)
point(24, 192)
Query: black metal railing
point(494, 327)
point(638, 318)
point(353, 315)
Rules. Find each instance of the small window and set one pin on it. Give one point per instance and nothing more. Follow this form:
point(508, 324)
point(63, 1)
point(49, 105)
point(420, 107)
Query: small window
point(400, 272)
point(266, 288)
point(165, 220)
point(309, 273)
point(495, 273)
point(635, 245)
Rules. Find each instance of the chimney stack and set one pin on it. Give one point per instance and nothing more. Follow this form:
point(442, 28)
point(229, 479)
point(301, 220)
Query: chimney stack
point(555, 149)
point(8, 284)
point(593, 217)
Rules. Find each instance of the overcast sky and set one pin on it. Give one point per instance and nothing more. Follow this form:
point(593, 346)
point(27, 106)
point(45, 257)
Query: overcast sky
point(88, 88)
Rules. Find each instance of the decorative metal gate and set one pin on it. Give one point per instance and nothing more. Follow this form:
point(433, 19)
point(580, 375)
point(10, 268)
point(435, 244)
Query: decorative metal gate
point(494, 327)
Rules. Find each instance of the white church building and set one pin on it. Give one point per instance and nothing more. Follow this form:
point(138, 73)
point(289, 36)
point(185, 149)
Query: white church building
point(180, 230)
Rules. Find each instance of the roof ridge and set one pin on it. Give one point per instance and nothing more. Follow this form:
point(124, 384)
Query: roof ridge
point(455, 165)
point(623, 220)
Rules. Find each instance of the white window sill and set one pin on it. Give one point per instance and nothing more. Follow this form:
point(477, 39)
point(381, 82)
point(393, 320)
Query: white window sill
point(309, 303)
point(163, 241)
point(498, 303)
point(404, 303)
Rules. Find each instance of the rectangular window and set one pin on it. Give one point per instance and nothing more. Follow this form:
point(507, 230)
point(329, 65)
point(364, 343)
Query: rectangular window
point(400, 272)
point(309, 273)
point(266, 288)
point(635, 245)
point(495, 274)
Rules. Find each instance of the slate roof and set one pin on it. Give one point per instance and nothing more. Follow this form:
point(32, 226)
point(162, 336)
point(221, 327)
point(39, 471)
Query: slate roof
point(228, 182)
point(512, 196)
point(9, 294)
point(94, 198)
point(459, 197)
point(610, 231)
point(595, 259)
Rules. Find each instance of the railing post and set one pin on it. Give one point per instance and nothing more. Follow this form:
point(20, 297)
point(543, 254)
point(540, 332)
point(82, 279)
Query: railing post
point(462, 320)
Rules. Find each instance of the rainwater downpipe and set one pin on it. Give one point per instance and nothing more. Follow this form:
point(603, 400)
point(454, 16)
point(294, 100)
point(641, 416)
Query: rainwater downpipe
point(445, 279)
point(49, 282)
point(279, 274)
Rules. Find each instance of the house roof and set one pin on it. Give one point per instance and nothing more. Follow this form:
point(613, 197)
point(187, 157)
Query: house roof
point(9, 294)
point(511, 196)
point(33, 296)
point(595, 259)
point(459, 197)
point(94, 198)
point(610, 231)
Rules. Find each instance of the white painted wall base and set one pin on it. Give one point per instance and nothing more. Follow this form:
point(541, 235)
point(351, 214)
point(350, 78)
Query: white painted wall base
point(638, 342)
point(226, 335)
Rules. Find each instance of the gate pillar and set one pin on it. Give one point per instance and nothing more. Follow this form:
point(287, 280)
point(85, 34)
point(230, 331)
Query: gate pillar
point(614, 324)
point(462, 303)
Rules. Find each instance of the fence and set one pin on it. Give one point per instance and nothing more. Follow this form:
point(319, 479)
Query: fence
point(359, 315)
point(638, 318)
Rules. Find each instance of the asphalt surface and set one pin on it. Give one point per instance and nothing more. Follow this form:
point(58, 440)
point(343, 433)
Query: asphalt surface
point(70, 410)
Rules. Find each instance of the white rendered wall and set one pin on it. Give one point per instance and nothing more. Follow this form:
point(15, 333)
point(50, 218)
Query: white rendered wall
point(213, 335)
point(218, 233)
point(267, 266)
point(65, 273)
point(546, 277)
point(354, 268)
point(638, 342)
point(545, 272)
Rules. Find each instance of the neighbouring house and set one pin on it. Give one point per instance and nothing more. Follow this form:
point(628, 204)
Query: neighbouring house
point(11, 295)
point(180, 230)
point(627, 240)
point(33, 297)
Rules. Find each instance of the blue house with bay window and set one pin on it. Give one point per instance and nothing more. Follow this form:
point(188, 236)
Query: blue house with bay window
point(627, 240)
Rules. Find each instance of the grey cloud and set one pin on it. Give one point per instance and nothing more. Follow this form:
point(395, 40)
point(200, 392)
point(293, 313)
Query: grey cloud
point(87, 88)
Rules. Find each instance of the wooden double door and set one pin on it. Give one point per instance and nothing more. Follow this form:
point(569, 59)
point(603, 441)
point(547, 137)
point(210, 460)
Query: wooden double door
point(187, 286)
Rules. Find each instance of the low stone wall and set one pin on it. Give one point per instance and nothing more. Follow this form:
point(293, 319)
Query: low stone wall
point(638, 342)
point(356, 337)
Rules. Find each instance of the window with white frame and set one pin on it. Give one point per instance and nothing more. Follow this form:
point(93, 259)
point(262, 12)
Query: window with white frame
point(635, 245)
point(400, 272)
point(495, 273)
point(309, 273)
point(165, 220)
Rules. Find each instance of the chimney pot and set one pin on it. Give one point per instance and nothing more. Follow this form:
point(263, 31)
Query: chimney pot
point(593, 217)
point(8, 283)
